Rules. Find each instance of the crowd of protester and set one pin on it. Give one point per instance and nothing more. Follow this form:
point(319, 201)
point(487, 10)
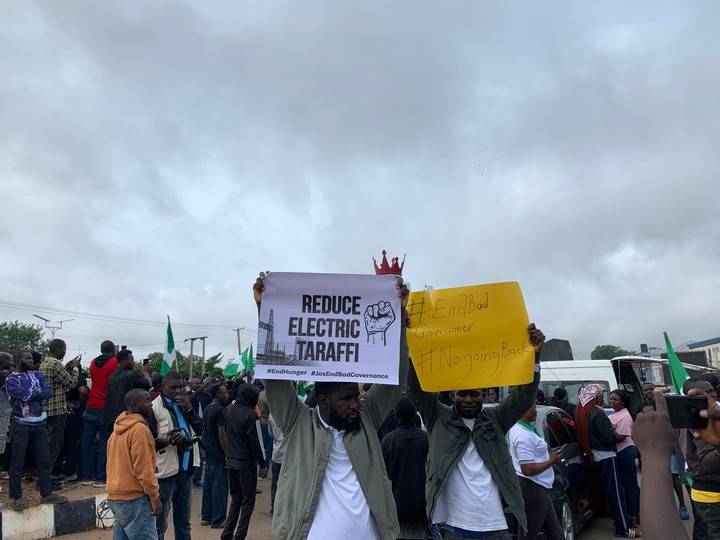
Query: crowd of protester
point(377, 461)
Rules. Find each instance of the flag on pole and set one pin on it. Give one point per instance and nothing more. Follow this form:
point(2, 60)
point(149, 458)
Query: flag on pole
point(248, 360)
point(678, 373)
point(232, 368)
point(169, 354)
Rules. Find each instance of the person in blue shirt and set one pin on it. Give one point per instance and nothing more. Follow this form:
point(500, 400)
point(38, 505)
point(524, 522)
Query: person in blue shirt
point(27, 389)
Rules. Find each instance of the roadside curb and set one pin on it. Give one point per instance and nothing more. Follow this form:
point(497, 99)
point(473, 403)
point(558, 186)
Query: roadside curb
point(51, 520)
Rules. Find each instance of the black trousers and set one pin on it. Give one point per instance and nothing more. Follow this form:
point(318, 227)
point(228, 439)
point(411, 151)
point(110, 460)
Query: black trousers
point(242, 503)
point(33, 439)
point(68, 462)
point(540, 512)
point(56, 436)
point(709, 515)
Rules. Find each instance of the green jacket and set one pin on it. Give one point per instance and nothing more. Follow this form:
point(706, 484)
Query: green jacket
point(308, 452)
point(449, 438)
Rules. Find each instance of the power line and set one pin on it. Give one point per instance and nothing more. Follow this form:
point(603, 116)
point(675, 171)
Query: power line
point(8, 304)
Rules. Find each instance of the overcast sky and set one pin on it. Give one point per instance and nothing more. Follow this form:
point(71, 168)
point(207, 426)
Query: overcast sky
point(154, 156)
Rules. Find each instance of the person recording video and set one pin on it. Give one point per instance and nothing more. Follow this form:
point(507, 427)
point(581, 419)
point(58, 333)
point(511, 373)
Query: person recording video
point(177, 428)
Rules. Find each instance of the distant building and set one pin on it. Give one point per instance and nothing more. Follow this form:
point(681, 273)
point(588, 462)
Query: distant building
point(711, 348)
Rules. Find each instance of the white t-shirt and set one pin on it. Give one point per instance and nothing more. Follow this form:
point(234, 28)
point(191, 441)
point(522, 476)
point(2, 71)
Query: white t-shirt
point(342, 510)
point(528, 447)
point(470, 499)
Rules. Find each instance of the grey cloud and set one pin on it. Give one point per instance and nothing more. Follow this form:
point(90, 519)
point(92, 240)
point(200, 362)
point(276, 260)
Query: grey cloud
point(159, 154)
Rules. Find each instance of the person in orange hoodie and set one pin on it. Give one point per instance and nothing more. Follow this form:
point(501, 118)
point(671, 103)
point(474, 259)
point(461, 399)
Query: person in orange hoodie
point(132, 488)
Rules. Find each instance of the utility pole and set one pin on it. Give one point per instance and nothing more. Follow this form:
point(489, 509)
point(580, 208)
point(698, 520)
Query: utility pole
point(237, 332)
point(50, 327)
point(203, 359)
point(192, 342)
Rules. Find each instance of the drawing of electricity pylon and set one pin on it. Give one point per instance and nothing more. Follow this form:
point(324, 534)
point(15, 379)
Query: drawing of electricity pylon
point(269, 331)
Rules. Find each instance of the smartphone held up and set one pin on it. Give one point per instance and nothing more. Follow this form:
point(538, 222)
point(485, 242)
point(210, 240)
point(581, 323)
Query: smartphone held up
point(684, 411)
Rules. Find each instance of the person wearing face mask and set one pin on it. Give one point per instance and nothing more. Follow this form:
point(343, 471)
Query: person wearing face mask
point(534, 467)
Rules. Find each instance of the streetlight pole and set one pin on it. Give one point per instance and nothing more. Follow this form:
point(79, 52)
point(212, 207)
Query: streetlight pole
point(50, 327)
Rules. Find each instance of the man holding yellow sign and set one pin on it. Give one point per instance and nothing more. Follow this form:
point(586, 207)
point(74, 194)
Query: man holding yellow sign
point(465, 339)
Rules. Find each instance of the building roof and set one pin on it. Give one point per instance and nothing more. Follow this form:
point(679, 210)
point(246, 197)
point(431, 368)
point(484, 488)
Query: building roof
point(704, 343)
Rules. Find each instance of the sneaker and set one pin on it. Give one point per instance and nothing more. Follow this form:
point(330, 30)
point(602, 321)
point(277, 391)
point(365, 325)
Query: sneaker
point(4, 475)
point(19, 504)
point(220, 525)
point(684, 513)
point(87, 483)
point(258, 491)
point(54, 498)
point(204, 523)
point(99, 485)
point(71, 478)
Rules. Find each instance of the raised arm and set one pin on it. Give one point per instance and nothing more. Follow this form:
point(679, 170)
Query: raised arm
point(425, 402)
point(283, 402)
point(281, 396)
point(381, 398)
point(67, 377)
point(521, 398)
point(654, 437)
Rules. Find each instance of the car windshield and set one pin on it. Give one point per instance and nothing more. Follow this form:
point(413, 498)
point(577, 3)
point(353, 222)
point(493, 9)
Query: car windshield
point(572, 387)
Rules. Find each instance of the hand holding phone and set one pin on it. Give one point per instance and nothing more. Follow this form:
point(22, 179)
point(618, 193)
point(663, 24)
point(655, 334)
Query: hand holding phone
point(684, 411)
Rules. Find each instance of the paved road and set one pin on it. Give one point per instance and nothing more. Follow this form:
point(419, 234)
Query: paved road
point(600, 529)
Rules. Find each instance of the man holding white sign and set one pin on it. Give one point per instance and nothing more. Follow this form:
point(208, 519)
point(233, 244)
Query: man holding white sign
point(332, 482)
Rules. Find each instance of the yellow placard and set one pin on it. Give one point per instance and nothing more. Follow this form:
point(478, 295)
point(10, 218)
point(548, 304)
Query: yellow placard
point(470, 337)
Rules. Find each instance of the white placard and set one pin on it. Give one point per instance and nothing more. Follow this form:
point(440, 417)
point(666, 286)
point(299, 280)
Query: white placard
point(329, 327)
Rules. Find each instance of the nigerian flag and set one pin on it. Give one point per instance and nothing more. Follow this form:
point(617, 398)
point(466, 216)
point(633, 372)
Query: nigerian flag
point(232, 368)
point(248, 360)
point(169, 354)
point(678, 373)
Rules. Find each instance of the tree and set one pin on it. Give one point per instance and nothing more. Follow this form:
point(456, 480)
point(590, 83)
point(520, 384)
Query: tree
point(605, 352)
point(181, 364)
point(16, 336)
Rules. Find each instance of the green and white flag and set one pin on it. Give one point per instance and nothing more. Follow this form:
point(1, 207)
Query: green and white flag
point(248, 360)
point(232, 368)
point(169, 354)
point(678, 373)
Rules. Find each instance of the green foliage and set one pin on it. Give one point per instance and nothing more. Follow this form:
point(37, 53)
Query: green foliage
point(16, 336)
point(156, 358)
point(605, 352)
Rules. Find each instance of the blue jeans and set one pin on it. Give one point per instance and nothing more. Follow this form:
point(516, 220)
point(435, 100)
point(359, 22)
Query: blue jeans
point(215, 494)
point(94, 453)
point(133, 520)
point(627, 472)
point(176, 491)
